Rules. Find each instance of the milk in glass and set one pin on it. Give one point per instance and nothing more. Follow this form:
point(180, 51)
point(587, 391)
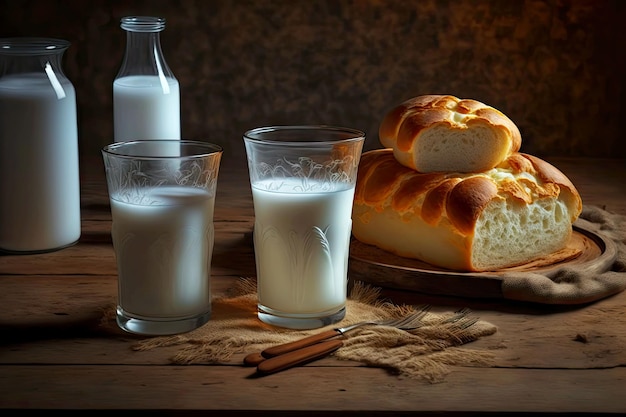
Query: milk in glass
point(163, 245)
point(301, 241)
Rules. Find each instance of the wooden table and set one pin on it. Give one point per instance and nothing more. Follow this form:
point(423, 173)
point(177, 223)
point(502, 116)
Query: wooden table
point(54, 355)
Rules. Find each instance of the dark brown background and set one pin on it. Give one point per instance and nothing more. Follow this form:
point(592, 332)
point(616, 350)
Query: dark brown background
point(555, 67)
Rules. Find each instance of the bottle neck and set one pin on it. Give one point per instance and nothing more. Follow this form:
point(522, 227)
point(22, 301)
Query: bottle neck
point(143, 54)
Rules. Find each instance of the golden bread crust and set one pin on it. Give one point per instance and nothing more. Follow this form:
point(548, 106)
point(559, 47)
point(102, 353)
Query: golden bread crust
point(448, 204)
point(451, 119)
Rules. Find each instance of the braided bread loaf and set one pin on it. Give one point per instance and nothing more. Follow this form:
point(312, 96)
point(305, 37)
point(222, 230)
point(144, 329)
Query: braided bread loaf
point(437, 133)
point(505, 216)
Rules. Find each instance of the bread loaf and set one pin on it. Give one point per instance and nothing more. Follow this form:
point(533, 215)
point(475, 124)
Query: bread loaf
point(509, 215)
point(439, 133)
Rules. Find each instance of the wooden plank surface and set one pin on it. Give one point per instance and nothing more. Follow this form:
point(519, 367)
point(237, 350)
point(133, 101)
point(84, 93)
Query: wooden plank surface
point(55, 354)
point(320, 388)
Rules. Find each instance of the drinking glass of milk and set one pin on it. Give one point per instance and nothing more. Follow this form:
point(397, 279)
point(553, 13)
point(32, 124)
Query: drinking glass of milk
point(162, 210)
point(302, 180)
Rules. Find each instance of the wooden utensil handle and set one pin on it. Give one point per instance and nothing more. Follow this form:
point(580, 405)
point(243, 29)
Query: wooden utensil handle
point(298, 357)
point(299, 344)
point(253, 359)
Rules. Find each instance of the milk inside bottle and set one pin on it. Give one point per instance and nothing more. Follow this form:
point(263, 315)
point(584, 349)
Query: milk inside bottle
point(146, 107)
point(39, 163)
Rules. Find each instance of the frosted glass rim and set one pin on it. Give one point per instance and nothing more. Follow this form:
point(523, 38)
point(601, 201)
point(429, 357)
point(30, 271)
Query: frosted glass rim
point(303, 135)
point(128, 149)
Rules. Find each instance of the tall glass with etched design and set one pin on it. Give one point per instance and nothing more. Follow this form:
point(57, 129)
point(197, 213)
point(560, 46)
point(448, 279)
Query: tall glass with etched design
point(302, 180)
point(162, 195)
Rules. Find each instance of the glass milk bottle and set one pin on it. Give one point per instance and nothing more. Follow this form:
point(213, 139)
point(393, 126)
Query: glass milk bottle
point(39, 174)
point(146, 95)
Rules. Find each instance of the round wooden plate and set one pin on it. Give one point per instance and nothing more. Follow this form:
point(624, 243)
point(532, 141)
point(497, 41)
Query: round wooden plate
point(586, 249)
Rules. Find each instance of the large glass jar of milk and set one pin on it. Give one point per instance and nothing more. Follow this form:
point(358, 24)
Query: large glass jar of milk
point(39, 174)
point(146, 95)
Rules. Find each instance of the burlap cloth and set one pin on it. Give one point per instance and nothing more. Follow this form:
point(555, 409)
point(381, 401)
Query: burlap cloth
point(576, 284)
point(426, 353)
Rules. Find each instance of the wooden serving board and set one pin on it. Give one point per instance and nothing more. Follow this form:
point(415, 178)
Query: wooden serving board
point(586, 250)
